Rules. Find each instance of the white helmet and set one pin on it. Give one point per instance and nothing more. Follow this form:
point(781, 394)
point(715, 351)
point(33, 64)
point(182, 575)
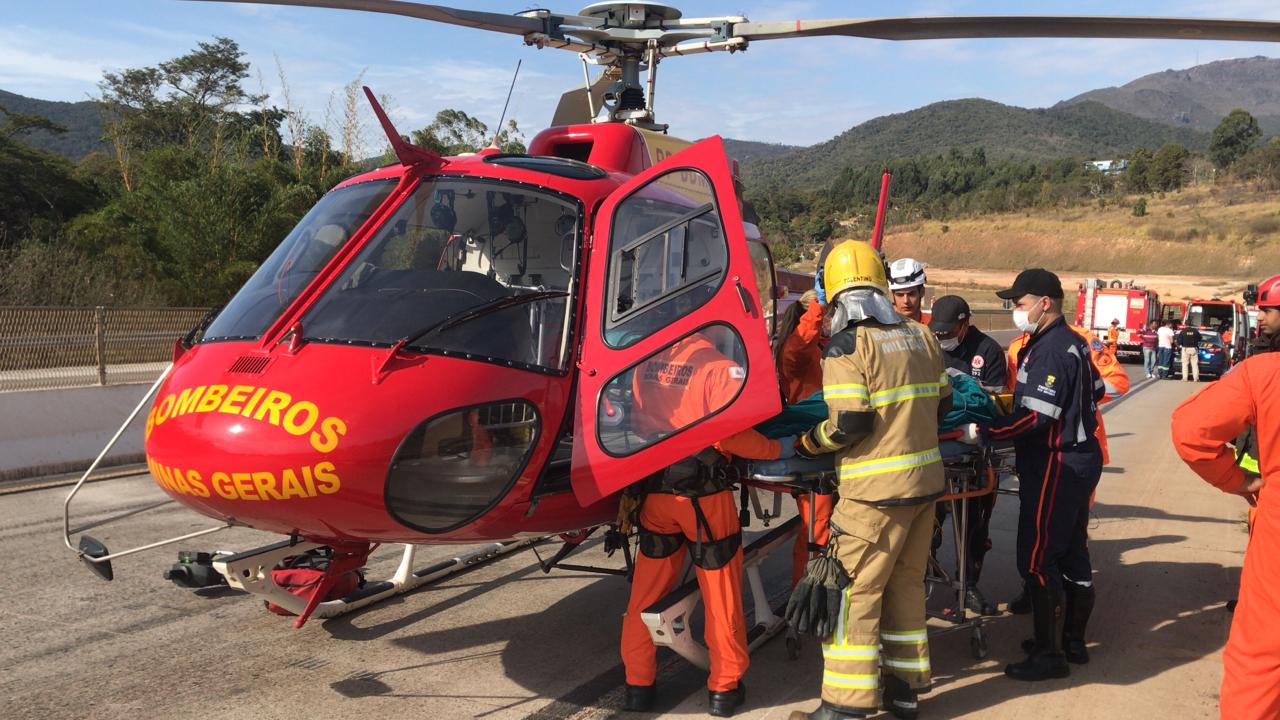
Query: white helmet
point(905, 273)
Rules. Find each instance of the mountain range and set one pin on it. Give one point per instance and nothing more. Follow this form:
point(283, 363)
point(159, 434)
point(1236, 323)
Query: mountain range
point(1198, 97)
point(1174, 106)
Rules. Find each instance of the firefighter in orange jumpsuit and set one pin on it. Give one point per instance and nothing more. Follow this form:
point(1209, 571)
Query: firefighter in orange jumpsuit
point(798, 354)
point(1249, 395)
point(691, 505)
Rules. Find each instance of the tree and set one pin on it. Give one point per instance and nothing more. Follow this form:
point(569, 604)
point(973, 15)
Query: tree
point(190, 100)
point(1169, 167)
point(1137, 177)
point(38, 190)
point(1235, 136)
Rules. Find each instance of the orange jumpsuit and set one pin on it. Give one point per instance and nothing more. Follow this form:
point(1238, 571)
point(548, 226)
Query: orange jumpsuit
point(1202, 426)
point(673, 390)
point(800, 375)
point(1114, 378)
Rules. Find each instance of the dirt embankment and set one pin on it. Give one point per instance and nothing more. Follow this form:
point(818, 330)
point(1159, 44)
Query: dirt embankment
point(1206, 241)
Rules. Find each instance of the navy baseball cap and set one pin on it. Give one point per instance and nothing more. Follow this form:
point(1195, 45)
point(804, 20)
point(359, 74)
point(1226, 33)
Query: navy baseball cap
point(1033, 281)
point(947, 312)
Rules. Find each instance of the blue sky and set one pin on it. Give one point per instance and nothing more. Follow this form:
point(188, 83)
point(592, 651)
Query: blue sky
point(794, 91)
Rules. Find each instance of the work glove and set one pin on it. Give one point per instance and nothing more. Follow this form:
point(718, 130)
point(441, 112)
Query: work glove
point(814, 606)
point(787, 447)
point(799, 614)
point(803, 446)
point(970, 434)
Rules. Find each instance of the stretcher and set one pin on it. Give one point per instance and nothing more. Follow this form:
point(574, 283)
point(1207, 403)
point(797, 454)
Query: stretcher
point(970, 472)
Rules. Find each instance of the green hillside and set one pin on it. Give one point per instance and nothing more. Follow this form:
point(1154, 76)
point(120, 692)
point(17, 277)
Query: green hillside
point(745, 151)
point(1084, 129)
point(81, 119)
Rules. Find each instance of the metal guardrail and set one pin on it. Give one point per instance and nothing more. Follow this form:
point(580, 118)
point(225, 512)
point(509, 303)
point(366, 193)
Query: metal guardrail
point(43, 348)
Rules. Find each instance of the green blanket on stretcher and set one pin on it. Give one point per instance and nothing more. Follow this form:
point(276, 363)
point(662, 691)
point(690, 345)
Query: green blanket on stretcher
point(969, 404)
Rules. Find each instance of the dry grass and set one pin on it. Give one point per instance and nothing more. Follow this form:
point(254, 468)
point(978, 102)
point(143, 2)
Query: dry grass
point(1227, 231)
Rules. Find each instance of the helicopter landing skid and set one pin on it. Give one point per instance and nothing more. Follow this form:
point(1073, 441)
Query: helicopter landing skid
point(670, 619)
point(251, 571)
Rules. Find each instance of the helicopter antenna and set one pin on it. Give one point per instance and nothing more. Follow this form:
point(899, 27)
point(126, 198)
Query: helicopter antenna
point(507, 103)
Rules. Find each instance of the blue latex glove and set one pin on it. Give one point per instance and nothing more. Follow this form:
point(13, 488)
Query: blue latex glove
point(818, 288)
point(788, 444)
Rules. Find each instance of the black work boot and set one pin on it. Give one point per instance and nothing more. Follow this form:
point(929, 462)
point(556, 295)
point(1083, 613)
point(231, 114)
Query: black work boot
point(640, 697)
point(899, 699)
point(977, 602)
point(1046, 660)
point(723, 703)
point(826, 712)
point(1079, 606)
point(1021, 605)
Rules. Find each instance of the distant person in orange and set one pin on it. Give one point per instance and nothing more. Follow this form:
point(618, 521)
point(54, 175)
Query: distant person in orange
point(1247, 396)
point(691, 506)
point(798, 354)
point(1113, 335)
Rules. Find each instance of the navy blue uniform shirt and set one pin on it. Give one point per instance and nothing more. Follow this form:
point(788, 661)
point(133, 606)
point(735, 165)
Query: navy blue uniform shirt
point(981, 358)
point(1056, 396)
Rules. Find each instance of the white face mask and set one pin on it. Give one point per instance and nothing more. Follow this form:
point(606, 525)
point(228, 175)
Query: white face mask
point(1022, 320)
point(949, 345)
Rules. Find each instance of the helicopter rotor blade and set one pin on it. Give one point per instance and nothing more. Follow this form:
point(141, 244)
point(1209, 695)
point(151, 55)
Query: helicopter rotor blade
point(497, 22)
point(573, 108)
point(942, 28)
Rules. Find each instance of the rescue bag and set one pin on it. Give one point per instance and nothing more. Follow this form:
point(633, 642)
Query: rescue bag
point(301, 575)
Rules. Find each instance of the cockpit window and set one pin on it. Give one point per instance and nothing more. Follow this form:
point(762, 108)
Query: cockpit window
point(296, 261)
point(479, 268)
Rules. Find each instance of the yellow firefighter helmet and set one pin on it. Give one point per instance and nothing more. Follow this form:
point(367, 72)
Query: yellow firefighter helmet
point(853, 264)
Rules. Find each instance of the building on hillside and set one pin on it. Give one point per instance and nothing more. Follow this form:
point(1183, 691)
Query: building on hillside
point(1108, 167)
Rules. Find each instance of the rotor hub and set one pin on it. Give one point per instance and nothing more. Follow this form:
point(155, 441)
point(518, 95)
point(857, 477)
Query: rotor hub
point(630, 15)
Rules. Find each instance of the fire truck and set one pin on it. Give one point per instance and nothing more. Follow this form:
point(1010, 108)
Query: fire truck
point(1098, 303)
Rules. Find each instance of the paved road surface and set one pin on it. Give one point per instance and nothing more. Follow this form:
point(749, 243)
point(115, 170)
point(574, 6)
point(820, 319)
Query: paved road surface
point(506, 641)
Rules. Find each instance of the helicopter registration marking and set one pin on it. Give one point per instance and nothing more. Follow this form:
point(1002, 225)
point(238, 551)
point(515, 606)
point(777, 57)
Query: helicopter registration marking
point(306, 482)
point(296, 417)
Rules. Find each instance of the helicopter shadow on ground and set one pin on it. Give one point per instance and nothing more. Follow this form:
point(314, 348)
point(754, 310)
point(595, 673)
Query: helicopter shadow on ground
point(1131, 639)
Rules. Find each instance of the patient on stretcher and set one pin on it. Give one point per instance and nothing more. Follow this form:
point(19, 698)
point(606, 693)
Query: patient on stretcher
point(970, 404)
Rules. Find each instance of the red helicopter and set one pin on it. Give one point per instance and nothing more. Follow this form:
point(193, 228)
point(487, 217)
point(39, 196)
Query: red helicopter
point(442, 350)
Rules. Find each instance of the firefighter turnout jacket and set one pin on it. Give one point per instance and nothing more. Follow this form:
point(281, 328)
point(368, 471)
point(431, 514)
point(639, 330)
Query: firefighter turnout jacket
point(1203, 425)
point(882, 385)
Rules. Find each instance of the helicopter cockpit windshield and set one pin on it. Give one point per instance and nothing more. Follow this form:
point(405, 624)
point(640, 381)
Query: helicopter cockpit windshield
point(454, 246)
point(297, 260)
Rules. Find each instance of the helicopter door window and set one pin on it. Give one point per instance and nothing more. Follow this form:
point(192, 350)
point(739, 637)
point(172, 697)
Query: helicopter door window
point(692, 379)
point(667, 256)
point(297, 260)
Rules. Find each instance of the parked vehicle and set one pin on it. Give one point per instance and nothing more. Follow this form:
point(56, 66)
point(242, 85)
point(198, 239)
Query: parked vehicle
point(1133, 305)
point(1214, 357)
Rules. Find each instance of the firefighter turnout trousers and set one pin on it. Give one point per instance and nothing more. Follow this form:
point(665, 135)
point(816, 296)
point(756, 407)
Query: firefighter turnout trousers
point(665, 514)
point(885, 551)
point(1055, 487)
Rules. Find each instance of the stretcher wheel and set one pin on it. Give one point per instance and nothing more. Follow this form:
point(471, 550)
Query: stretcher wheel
point(978, 644)
point(793, 647)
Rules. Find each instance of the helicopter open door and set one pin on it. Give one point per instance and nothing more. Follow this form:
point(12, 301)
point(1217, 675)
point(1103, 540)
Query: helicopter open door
point(675, 354)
